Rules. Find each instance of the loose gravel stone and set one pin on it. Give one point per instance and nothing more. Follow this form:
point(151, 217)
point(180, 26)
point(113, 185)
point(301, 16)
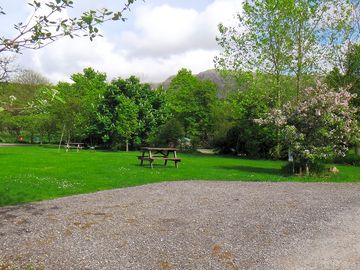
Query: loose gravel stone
point(189, 225)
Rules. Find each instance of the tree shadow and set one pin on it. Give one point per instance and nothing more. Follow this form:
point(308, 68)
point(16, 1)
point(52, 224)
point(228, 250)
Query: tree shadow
point(10, 205)
point(157, 166)
point(250, 169)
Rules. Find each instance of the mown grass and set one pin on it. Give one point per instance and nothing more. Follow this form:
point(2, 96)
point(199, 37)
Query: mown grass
point(37, 173)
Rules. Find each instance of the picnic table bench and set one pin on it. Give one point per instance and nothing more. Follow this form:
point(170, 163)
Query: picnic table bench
point(76, 146)
point(158, 153)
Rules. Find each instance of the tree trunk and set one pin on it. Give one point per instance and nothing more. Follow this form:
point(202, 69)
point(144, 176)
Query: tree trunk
point(127, 145)
point(307, 168)
point(299, 64)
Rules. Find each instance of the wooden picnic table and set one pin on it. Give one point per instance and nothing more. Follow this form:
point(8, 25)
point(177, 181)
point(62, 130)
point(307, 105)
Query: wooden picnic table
point(158, 153)
point(78, 146)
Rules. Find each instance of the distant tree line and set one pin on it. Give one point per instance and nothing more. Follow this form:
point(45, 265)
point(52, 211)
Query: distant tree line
point(121, 114)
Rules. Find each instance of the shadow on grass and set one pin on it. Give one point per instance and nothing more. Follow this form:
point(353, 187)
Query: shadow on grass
point(157, 166)
point(250, 169)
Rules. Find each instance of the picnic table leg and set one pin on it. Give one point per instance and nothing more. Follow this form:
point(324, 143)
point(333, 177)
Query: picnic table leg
point(165, 156)
point(150, 159)
point(142, 158)
point(176, 162)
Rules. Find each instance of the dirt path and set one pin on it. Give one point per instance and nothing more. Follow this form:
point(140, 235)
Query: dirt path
point(14, 144)
point(189, 225)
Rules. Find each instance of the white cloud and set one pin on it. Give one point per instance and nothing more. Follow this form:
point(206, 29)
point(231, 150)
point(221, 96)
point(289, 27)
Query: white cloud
point(163, 40)
point(164, 30)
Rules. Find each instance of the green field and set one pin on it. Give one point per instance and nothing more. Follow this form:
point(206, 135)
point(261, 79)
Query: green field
point(37, 173)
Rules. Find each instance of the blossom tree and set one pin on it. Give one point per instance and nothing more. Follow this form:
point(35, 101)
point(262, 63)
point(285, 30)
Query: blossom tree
point(320, 125)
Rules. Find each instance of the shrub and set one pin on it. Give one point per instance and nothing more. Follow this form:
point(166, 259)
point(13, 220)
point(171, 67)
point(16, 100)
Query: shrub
point(318, 126)
point(170, 133)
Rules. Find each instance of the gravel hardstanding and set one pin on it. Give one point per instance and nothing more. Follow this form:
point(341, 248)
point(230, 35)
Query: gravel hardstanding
point(189, 225)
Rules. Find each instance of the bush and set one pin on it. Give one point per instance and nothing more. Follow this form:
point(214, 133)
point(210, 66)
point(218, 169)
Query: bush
point(320, 125)
point(170, 133)
point(246, 139)
point(350, 159)
point(315, 168)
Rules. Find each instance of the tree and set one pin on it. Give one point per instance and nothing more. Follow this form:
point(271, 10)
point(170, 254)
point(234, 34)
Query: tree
point(170, 133)
point(352, 73)
point(77, 104)
point(350, 76)
point(342, 33)
point(260, 42)
point(150, 103)
point(284, 37)
point(246, 136)
point(126, 124)
point(114, 120)
point(43, 27)
point(28, 76)
point(192, 102)
point(318, 126)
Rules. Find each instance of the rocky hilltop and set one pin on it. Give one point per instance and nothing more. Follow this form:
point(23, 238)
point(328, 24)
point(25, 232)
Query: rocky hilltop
point(210, 74)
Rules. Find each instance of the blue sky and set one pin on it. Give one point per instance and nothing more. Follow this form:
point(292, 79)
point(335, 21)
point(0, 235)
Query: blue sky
point(159, 38)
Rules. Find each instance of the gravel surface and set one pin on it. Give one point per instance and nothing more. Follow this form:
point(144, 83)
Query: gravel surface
point(189, 225)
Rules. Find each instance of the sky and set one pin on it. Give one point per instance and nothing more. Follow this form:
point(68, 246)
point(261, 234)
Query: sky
point(158, 38)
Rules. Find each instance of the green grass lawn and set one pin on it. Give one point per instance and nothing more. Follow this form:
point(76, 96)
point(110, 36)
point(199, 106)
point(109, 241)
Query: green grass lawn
point(37, 173)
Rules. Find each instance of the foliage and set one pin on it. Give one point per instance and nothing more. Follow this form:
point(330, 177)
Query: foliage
point(284, 37)
point(246, 137)
point(192, 102)
point(351, 158)
point(76, 107)
point(316, 168)
point(351, 75)
point(126, 124)
point(319, 126)
point(130, 111)
point(15, 97)
point(151, 106)
point(170, 133)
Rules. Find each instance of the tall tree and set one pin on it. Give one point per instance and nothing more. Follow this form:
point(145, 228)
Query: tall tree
point(127, 122)
point(350, 77)
point(283, 37)
point(192, 102)
point(77, 104)
point(151, 106)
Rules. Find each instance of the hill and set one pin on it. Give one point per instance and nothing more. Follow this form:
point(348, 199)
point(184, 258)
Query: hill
point(210, 74)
